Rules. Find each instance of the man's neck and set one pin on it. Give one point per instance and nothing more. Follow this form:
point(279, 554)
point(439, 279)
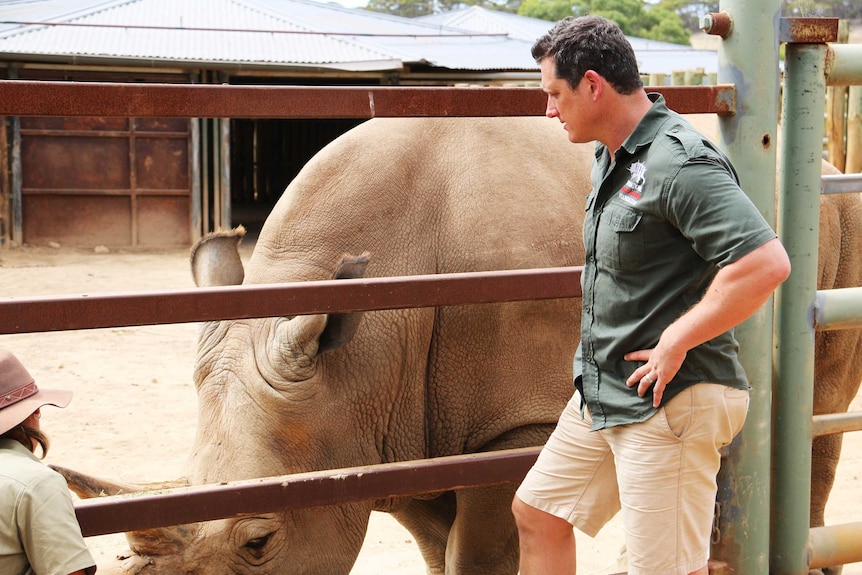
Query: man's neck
point(625, 113)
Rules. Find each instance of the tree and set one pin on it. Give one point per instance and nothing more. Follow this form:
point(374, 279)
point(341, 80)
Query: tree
point(551, 10)
point(846, 9)
point(688, 11)
point(404, 8)
point(634, 17)
point(414, 8)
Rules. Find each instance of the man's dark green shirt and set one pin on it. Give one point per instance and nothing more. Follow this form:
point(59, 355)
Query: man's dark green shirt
point(661, 220)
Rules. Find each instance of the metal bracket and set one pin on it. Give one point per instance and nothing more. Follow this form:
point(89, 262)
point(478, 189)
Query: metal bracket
point(808, 30)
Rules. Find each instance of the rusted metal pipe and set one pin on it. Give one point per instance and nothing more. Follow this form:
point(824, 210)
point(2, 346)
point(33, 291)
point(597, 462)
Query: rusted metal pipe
point(844, 65)
point(835, 545)
point(840, 183)
point(831, 423)
point(839, 308)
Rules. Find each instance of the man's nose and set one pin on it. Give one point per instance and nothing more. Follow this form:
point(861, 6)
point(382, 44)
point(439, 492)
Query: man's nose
point(550, 109)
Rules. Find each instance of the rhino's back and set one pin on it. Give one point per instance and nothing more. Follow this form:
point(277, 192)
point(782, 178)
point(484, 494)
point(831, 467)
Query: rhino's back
point(429, 195)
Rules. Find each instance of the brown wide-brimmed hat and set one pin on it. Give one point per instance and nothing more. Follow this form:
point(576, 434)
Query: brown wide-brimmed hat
point(19, 396)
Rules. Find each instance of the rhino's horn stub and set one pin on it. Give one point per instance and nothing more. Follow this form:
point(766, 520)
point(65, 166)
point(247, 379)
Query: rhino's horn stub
point(215, 258)
point(340, 327)
point(87, 486)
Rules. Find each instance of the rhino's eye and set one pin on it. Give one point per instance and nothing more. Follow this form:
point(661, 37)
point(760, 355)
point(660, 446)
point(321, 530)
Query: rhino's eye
point(258, 540)
point(258, 543)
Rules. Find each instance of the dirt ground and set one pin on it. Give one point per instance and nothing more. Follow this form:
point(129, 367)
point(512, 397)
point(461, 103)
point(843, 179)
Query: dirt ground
point(133, 414)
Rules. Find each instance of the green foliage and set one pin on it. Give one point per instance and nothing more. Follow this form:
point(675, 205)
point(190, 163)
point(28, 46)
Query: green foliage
point(635, 17)
point(629, 14)
point(846, 9)
point(689, 12)
point(404, 8)
point(551, 10)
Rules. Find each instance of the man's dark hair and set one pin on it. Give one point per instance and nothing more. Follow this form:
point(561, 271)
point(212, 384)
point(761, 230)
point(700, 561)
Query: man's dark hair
point(590, 43)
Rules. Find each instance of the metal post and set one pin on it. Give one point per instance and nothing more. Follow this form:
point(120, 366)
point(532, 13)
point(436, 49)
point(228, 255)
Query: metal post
point(748, 58)
point(799, 213)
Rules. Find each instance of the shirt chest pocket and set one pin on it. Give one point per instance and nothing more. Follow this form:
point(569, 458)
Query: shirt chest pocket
point(620, 239)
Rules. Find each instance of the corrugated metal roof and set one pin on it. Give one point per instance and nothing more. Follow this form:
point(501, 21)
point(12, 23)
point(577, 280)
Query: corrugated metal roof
point(281, 33)
point(290, 33)
point(483, 20)
point(653, 56)
point(36, 10)
point(175, 31)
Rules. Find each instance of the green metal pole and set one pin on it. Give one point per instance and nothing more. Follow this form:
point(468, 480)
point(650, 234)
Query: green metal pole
point(748, 58)
point(799, 226)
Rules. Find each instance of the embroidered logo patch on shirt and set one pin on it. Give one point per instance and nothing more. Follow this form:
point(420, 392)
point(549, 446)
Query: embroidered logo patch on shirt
point(631, 192)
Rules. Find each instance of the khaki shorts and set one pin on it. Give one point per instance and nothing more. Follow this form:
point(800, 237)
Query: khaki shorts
point(661, 473)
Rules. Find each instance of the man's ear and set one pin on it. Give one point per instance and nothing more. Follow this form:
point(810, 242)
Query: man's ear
point(595, 82)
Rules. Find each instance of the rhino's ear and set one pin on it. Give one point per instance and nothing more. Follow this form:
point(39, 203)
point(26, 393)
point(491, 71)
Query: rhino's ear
point(303, 337)
point(340, 327)
point(215, 259)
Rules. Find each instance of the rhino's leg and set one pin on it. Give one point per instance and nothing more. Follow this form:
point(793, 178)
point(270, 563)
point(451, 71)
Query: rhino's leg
point(484, 538)
point(471, 533)
point(825, 452)
point(429, 521)
point(836, 383)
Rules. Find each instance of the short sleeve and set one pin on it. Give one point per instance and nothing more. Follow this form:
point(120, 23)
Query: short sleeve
point(708, 207)
point(49, 529)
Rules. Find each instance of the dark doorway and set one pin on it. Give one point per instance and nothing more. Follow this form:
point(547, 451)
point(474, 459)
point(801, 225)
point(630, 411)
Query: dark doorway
point(266, 155)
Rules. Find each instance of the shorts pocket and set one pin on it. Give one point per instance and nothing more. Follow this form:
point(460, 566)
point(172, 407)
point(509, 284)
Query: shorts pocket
point(737, 401)
point(678, 413)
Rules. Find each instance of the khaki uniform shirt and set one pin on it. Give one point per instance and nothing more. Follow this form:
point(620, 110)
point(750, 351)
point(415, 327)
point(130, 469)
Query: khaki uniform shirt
point(661, 220)
point(39, 533)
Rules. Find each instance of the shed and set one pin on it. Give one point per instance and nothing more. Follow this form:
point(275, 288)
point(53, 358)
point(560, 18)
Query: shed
point(149, 182)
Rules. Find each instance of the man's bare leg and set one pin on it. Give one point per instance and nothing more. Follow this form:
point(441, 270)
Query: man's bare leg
point(547, 542)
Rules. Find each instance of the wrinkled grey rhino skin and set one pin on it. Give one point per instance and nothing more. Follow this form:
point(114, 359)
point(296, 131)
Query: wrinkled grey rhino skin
point(281, 395)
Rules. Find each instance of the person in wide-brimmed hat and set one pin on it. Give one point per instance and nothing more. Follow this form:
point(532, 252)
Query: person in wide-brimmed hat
point(39, 532)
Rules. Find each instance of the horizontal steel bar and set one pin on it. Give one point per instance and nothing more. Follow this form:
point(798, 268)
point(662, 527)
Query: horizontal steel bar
point(844, 65)
point(56, 313)
point(835, 545)
point(840, 183)
point(32, 98)
point(836, 309)
point(119, 513)
point(831, 423)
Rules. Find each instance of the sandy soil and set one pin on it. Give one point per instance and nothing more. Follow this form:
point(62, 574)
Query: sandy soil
point(133, 414)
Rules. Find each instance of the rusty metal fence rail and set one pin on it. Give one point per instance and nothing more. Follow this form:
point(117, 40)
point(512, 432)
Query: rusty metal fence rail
point(30, 98)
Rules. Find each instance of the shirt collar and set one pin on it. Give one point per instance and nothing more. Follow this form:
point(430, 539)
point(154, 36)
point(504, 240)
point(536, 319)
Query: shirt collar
point(646, 130)
point(16, 446)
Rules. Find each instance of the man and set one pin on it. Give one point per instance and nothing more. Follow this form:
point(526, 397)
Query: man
point(676, 256)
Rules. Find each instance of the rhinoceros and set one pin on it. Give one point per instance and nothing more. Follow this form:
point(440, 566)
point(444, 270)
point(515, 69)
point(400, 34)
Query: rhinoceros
point(286, 395)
